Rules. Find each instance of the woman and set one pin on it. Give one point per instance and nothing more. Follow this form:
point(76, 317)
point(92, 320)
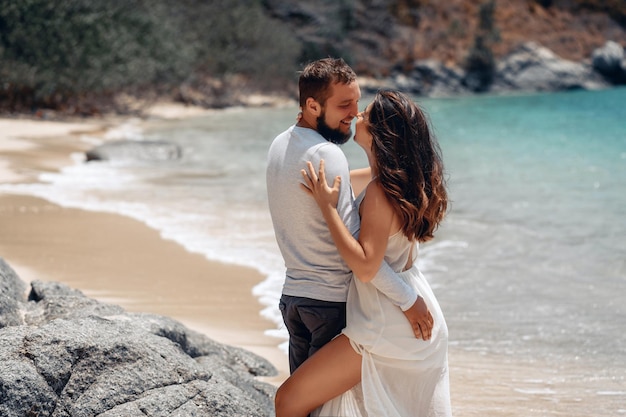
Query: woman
point(377, 367)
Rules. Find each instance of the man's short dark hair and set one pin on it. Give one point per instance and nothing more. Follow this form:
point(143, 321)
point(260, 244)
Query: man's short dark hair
point(317, 78)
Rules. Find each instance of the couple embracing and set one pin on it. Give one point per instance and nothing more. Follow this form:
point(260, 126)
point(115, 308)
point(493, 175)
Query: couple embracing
point(366, 334)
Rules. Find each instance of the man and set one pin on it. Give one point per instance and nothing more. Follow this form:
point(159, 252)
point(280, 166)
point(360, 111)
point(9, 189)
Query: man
point(313, 302)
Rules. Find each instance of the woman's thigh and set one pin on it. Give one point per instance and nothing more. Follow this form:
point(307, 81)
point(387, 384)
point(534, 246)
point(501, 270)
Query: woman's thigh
point(331, 371)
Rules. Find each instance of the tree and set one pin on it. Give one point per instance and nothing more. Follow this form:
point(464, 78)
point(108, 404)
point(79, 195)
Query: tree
point(62, 54)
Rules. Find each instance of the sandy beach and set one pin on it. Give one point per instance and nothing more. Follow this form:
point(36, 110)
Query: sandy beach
point(114, 258)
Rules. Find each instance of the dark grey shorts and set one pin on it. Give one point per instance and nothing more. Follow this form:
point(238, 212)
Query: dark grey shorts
point(311, 324)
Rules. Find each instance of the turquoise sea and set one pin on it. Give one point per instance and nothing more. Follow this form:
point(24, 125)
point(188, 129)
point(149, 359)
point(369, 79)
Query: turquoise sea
point(529, 266)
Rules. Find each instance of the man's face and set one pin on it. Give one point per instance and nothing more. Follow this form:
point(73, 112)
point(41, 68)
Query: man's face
point(334, 122)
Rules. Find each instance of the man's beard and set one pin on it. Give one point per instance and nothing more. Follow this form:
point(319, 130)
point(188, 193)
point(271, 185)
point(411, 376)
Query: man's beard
point(332, 135)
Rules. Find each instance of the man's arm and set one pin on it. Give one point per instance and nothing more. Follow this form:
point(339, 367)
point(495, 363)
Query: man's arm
point(407, 298)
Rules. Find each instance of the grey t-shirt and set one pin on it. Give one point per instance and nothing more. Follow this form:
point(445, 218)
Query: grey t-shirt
point(314, 267)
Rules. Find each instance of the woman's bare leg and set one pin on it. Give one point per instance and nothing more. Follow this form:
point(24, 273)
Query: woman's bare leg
point(332, 370)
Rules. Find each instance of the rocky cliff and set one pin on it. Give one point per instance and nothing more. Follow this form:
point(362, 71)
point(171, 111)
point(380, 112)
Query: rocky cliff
point(379, 35)
point(460, 46)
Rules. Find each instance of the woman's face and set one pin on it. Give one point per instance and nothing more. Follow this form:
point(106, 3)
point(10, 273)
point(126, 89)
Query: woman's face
point(362, 134)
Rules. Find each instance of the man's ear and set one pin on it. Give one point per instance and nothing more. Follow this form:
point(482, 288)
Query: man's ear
point(313, 107)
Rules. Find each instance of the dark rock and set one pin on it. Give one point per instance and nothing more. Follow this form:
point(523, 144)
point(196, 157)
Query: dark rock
point(437, 79)
point(529, 68)
point(428, 78)
point(135, 150)
point(70, 355)
point(610, 61)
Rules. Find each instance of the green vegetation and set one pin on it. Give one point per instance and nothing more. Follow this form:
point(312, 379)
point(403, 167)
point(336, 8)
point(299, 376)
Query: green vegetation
point(75, 53)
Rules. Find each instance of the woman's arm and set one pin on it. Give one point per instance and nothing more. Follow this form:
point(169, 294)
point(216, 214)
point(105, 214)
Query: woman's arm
point(365, 255)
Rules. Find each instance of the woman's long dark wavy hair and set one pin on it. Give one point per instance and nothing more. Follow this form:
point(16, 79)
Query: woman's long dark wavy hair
point(409, 163)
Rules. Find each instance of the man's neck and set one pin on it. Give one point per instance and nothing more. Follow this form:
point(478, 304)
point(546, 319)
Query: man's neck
point(303, 122)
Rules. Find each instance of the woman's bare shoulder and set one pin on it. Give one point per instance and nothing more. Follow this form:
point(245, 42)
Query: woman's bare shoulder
point(377, 207)
point(375, 198)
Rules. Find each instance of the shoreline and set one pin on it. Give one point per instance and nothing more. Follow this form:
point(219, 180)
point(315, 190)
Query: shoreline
point(117, 259)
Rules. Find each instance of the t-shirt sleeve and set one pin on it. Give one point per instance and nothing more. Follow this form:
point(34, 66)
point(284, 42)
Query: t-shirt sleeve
point(336, 164)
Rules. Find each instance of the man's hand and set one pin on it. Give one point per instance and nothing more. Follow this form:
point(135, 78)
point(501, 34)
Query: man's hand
point(420, 318)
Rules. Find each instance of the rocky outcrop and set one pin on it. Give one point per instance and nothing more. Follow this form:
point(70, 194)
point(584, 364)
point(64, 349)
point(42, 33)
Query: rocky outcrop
point(610, 61)
point(64, 354)
point(532, 67)
point(432, 78)
point(135, 150)
point(529, 68)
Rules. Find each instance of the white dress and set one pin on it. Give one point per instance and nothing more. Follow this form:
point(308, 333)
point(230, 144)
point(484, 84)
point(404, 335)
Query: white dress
point(402, 376)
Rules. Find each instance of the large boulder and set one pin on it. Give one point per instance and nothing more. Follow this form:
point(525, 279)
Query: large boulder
point(610, 61)
point(438, 80)
point(532, 67)
point(64, 354)
point(429, 78)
